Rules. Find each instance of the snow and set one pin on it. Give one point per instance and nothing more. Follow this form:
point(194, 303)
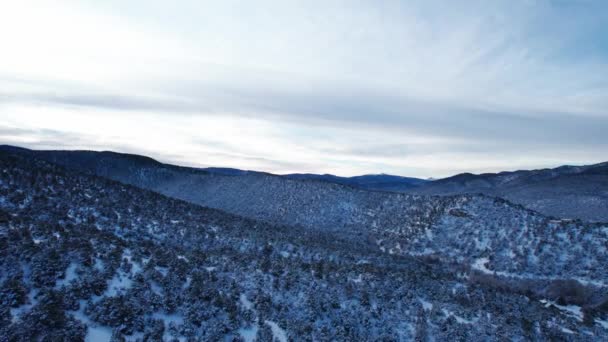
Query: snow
point(482, 244)
point(248, 334)
point(135, 266)
point(278, 333)
point(137, 336)
point(119, 282)
point(567, 331)
point(156, 288)
point(247, 304)
point(95, 332)
point(459, 320)
point(357, 280)
point(168, 320)
point(70, 274)
point(16, 312)
point(98, 334)
point(570, 310)
point(427, 306)
point(99, 264)
point(602, 323)
point(163, 270)
point(480, 265)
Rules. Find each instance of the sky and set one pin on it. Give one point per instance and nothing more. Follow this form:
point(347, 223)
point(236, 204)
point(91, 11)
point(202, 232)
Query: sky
point(414, 88)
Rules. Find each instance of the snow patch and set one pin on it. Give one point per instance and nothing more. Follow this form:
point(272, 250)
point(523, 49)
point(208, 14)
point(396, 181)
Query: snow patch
point(459, 320)
point(247, 304)
point(249, 334)
point(70, 274)
point(95, 332)
point(570, 310)
point(277, 333)
point(118, 283)
point(427, 306)
point(602, 323)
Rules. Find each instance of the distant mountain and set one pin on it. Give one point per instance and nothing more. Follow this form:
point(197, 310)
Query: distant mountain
point(566, 191)
point(577, 192)
point(226, 171)
point(381, 182)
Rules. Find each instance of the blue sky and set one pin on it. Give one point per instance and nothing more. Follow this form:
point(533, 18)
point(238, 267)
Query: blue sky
point(417, 88)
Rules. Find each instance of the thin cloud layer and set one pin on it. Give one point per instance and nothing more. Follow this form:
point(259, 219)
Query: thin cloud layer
point(423, 88)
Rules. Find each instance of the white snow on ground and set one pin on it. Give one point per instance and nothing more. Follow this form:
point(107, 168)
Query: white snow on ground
point(168, 320)
point(31, 301)
point(246, 303)
point(567, 331)
point(602, 323)
point(278, 333)
point(119, 282)
point(187, 282)
point(482, 244)
point(98, 334)
point(357, 280)
point(99, 265)
point(570, 310)
point(426, 251)
point(248, 334)
point(480, 265)
point(459, 320)
point(70, 274)
point(135, 266)
point(429, 234)
point(427, 306)
point(156, 288)
point(138, 336)
point(95, 332)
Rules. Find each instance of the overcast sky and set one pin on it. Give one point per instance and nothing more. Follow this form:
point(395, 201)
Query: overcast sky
point(417, 88)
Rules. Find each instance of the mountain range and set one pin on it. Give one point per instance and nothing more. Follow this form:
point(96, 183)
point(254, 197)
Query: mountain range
point(106, 246)
point(572, 192)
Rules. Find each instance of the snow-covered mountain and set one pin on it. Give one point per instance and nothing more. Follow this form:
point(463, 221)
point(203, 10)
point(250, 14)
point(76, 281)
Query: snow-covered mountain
point(381, 182)
point(579, 192)
point(569, 192)
point(83, 256)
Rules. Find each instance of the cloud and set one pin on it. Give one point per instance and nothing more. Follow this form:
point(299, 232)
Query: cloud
point(354, 86)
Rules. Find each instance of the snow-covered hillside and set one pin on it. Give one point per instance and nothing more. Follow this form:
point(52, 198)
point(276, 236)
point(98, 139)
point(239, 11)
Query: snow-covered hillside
point(84, 257)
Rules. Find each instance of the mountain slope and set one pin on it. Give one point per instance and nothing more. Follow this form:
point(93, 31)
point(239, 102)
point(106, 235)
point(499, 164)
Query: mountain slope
point(86, 257)
point(579, 192)
point(398, 223)
point(380, 182)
